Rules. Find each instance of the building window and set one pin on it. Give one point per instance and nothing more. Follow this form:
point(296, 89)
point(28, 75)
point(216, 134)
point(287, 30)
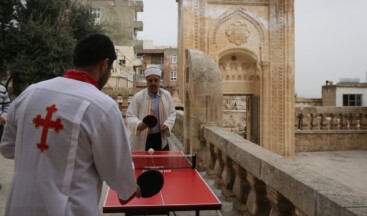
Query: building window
point(173, 76)
point(173, 58)
point(352, 100)
point(160, 60)
point(97, 15)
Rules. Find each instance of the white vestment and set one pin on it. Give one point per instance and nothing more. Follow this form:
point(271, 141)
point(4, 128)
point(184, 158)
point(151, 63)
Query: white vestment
point(87, 145)
point(140, 106)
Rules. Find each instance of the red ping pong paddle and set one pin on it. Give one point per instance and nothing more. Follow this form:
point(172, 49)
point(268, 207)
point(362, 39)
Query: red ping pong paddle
point(150, 183)
point(150, 120)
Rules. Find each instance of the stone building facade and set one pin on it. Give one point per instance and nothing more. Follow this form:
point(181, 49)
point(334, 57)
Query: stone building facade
point(119, 17)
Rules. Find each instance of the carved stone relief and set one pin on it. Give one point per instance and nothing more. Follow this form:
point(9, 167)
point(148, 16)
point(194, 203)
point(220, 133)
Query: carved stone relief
point(237, 32)
point(240, 74)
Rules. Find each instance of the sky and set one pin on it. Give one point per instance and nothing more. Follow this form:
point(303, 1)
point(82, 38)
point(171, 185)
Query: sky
point(330, 39)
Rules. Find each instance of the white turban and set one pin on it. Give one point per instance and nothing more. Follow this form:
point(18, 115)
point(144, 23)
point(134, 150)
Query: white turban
point(152, 71)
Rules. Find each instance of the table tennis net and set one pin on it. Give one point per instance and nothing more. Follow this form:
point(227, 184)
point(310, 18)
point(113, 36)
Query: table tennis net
point(164, 161)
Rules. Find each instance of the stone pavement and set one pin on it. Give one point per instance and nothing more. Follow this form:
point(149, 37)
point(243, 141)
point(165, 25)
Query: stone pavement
point(346, 167)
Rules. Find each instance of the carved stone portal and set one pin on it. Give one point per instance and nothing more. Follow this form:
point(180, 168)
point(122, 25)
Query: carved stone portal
point(252, 42)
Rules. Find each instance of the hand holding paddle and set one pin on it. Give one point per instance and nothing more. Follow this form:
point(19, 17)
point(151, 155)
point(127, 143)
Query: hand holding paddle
point(150, 183)
point(136, 194)
point(150, 120)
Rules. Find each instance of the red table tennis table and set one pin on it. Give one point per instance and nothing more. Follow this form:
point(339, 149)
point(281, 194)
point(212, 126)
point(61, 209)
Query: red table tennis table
point(184, 190)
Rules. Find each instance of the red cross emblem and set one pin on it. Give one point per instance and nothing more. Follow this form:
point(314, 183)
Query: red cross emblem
point(47, 123)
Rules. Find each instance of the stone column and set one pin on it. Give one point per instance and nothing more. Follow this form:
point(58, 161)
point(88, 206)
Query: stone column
point(265, 108)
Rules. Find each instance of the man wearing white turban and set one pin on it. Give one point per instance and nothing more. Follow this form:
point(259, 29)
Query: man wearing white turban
point(156, 101)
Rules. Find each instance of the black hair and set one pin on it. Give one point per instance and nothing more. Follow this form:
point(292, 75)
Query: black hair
point(92, 49)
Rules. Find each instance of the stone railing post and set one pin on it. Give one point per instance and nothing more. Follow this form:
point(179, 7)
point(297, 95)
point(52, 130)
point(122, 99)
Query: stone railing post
point(354, 119)
point(343, 121)
point(210, 160)
point(280, 206)
point(325, 123)
point(218, 169)
point(227, 178)
point(334, 123)
point(305, 121)
point(315, 122)
point(296, 121)
point(257, 202)
point(241, 190)
point(363, 121)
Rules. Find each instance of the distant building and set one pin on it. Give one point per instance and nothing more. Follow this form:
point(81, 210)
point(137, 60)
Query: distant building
point(122, 75)
point(118, 17)
point(346, 93)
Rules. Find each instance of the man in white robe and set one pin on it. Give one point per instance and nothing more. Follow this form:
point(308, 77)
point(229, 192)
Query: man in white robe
point(66, 138)
point(156, 101)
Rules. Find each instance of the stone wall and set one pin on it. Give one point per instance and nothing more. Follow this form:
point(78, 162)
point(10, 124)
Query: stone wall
point(320, 140)
point(235, 121)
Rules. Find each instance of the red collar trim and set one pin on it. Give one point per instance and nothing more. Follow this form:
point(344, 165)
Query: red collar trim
point(81, 76)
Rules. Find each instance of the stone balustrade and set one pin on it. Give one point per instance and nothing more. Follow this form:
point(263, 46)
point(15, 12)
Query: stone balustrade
point(330, 128)
point(260, 182)
point(331, 118)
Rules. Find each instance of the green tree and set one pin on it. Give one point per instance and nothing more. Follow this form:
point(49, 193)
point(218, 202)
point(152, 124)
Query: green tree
point(78, 13)
point(42, 38)
point(8, 14)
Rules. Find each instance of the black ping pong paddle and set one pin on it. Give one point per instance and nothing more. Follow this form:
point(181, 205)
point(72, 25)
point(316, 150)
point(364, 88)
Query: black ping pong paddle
point(150, 120)
point(150, 183)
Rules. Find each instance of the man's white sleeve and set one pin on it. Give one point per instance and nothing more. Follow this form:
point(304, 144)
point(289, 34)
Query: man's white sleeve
point(111, 152)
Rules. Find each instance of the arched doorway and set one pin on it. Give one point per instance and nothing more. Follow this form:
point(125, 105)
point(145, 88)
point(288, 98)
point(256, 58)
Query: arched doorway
point(241, 90)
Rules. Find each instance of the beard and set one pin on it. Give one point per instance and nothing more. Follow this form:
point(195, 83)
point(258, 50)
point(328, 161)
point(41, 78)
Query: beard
point(153, 89)
point(103, 80)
